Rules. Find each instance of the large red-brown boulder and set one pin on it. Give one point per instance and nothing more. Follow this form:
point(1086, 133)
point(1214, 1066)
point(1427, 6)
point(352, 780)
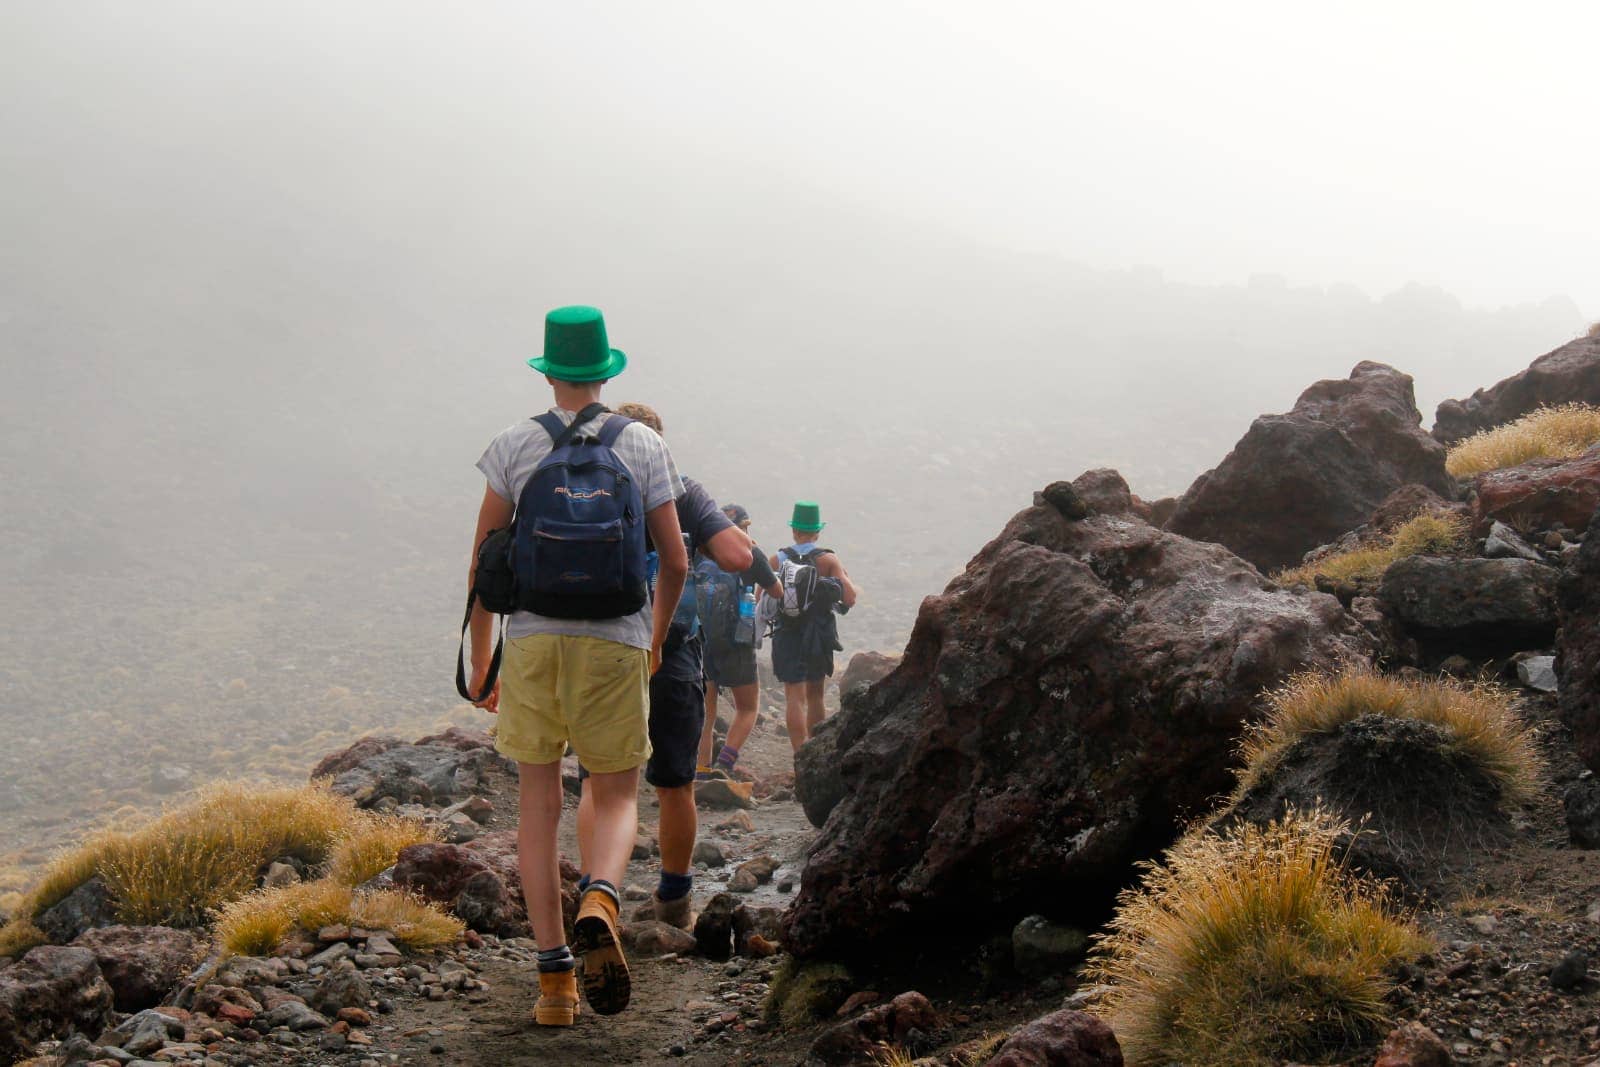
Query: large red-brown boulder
point(1541, 494)
point(1300, 480)
point(1569, 374)
point(1060, 709)
point(1578, 650)
point(50, 992)
point(142, 964)
point(1061, 1039)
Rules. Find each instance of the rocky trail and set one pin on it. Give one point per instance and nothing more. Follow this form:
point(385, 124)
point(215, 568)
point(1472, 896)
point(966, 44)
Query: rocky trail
point(1110, 682)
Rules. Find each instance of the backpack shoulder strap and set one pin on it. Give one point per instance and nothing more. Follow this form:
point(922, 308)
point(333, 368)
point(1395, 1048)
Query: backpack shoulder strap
point(613, 429)
point(560, 433)
point(789, 554)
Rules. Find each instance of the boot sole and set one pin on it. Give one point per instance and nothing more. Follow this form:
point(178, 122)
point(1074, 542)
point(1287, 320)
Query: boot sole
point(606, 985)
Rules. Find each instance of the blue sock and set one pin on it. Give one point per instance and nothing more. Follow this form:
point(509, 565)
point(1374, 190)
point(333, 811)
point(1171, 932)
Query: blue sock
point(583, 883)
point(674, 886)
point(727, 757)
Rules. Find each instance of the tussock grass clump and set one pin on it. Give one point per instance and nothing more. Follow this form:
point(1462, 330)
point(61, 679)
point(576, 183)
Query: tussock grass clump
point(193, 859)
point(1479, 718)
point(1558, 432)
point(372, 844)
point(1252, 947)
point(18, 936)
point(179, 867)
point(257, 924)
point(802, 993)
point(1427, 534)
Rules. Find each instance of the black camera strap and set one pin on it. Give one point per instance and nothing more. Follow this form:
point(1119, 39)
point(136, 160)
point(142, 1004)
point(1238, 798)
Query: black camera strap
point(461, 656)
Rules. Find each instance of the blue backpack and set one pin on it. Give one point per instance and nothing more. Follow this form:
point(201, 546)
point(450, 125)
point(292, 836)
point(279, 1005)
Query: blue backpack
point(578, 547)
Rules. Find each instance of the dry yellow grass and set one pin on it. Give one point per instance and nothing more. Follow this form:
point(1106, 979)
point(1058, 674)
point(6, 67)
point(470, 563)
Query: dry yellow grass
point(193, 859)
point(1424, 534)
point(177, 868)
point(1559, 432)
point(372, 844)
point(257, 924)
point(1479, 716)
point(18, 936)
point(1251, 948)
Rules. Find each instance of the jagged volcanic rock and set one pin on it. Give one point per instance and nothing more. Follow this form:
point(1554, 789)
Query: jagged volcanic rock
point(1569, 374)
point(1060, 708)
point(142, 964)
point(1541, 494)
point(50, 992)
point(1300, 480)
point(1578, 650)
point(1478, 607)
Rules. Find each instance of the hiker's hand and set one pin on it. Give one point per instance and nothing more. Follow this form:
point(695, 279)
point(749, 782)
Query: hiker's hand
point(655, 658)
point(491, 699)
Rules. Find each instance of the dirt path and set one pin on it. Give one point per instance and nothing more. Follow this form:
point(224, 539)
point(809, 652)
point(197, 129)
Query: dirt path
point(674, 998)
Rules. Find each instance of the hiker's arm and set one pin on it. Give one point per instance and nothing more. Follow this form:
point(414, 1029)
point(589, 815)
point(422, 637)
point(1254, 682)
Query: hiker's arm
point(493, 514)
point(830, 567)
point(667, 536)
point(760, 575)
point(730, 550)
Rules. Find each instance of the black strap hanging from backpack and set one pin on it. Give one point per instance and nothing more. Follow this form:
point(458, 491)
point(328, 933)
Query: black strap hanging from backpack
point(461, 655)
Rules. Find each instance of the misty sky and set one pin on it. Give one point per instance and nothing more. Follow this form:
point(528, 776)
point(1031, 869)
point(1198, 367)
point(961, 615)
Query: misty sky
point(1373, 144)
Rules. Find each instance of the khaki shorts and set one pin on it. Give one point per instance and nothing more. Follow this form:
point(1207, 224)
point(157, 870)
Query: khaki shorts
point(593, 693)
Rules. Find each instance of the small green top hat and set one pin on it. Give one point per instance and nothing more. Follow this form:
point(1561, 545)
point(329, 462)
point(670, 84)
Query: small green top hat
point(807, 517)
point(575, 347)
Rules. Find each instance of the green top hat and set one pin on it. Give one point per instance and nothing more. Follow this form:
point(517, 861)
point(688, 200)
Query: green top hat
point(575, 347)
point(807, 517)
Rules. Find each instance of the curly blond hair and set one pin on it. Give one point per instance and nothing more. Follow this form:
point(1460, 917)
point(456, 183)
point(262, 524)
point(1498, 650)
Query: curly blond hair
point(641, 413)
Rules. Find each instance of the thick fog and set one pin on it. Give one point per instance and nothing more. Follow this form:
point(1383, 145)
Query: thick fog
point(269, 275)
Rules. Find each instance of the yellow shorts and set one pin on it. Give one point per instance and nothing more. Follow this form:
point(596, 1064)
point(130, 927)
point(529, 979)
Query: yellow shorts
point(594, 693)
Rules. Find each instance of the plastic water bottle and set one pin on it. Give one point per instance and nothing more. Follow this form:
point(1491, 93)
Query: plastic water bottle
point(745, 629)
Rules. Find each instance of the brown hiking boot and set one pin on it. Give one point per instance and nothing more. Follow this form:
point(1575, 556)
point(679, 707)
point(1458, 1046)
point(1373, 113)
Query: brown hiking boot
point(558, 998)
point(606, 985)
point(672, 912)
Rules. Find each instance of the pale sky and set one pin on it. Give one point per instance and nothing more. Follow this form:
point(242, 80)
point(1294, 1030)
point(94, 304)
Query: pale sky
point(1366, 143)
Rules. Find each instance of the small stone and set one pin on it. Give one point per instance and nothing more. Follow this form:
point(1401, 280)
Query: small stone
point(710, 854)
point(279, 875)
point(635, 893)
point(1039, 946)
point(786, 884)
point(1571, 972)
point(355, 1016)
point(329, 934)
point(1538, 673)
point(1483, 924)
point(738, 822)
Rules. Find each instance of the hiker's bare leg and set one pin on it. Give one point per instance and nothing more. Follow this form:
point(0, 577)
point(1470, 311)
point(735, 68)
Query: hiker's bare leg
point(708, 736)
point(678, 827)
point(794, 713)
point(539, 815)
point(616, 823)
point(815, 711)
point(585, 826)
point(744, 714)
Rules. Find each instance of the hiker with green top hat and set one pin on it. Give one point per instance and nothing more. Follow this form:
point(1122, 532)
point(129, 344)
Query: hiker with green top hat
point(805, 635)
point(581, 643)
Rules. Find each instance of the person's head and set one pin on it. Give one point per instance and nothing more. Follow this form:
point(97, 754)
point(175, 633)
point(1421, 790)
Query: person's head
point(641, 413)
point(738, 516)
point(806, 522)
point(578, 357)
